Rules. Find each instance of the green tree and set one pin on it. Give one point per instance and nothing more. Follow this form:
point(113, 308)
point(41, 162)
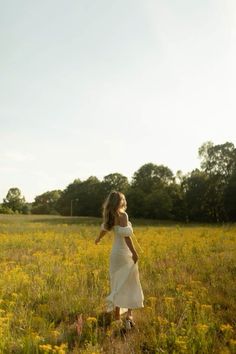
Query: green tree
point(218, 162)
point(46, 203)
point(136, 202)
point(218, 159)
point(68, 195)
point(158, 204)
point(148, 195)
point(176, 193)
point(84, 197)
point(150, 176)
point(88, 195)
point(195, 186)
point(115, 181)
point(230, 198)
point(14, 201)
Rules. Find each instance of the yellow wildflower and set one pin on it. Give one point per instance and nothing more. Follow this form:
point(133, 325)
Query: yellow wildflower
point(91, 321)
point(55, 333)
point(195, 282)
point(162, 320)
point(149, 309)
point(169, 300)
point(202, 328)
point(226, 328)
point(180, 287)
point(232, 343)
point(117, 324)
point(36, 336)
point(189, 294)
point(152, 300)
point(181, 343)
point(109, 333)
point(45, 347)
point(61, 349)
point(206, 307)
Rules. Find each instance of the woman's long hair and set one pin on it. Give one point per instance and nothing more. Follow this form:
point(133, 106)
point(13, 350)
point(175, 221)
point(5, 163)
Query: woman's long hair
point(110, 208)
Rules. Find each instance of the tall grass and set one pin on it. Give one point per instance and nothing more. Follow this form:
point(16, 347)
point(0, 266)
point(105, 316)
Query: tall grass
point(51, 271)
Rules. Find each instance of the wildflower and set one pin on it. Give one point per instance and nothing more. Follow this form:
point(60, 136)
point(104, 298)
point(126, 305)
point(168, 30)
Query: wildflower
point(45, 347)
point(162, 320)
point(61, 349)
point(206, 307)
point(109, 333)
point(180, 287)
point(117, 324)
point(3, 319)
point(226, 328)
point(36, 336)
point(232, 344)
point(189, 294)
point(181, 343)
point(91, 321)
point(169, 300)
point(55, 333)
point(195, 282)
point(202, 328)
point(203, 289)
point(149, 309)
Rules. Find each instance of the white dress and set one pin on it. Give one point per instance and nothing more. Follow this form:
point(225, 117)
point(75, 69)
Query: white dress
point(126, 290)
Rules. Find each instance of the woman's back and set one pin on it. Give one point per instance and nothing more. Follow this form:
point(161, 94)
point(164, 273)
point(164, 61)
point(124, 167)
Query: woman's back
point(120, 232)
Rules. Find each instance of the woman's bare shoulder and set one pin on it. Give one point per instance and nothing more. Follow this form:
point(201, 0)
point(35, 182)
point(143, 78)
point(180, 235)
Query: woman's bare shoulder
point(123, 218)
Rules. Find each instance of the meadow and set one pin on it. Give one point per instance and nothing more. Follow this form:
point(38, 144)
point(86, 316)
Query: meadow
point(51, 272)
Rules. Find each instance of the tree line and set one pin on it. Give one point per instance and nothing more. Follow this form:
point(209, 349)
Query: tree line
point(206, 194)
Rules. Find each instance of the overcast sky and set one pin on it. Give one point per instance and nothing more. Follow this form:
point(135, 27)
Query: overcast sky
point(98, 87)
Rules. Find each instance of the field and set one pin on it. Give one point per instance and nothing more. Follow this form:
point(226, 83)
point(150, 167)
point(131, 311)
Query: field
point(51, 272)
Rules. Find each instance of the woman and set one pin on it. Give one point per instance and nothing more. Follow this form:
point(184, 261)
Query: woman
point(126, 291)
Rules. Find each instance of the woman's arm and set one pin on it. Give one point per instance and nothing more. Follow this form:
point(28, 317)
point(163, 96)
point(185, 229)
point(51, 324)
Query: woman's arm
point(124, 222)
point(131, 247)
point(102, 233)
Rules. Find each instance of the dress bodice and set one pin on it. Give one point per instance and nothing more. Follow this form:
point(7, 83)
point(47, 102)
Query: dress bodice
point(120, 232)
point(123, 230)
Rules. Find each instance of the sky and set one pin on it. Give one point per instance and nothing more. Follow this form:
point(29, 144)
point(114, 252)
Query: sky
point(90, 88)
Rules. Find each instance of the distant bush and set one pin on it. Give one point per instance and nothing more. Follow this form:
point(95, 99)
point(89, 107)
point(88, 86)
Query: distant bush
point(5, 210)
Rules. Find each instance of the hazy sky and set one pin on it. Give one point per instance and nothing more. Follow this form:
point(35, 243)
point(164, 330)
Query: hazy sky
point(98, 87)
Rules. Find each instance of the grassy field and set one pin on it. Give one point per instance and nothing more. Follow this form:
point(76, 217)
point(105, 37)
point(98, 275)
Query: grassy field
point(51, 271)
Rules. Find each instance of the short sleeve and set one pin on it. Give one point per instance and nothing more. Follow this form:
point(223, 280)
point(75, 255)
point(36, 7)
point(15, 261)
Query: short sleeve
point(126, 231)
point(103, 227)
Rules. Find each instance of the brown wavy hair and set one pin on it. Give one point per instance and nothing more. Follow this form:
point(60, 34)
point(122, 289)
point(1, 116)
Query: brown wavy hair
point(110, 208)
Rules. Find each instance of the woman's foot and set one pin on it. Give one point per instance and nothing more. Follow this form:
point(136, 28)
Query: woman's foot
point(129, 322)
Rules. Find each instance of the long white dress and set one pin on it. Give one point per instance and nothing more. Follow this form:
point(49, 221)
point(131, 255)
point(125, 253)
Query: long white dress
point(126, 290)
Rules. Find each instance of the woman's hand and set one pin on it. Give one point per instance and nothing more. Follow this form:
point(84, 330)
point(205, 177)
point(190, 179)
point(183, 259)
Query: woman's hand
point(97, 240)
point(135, 257)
